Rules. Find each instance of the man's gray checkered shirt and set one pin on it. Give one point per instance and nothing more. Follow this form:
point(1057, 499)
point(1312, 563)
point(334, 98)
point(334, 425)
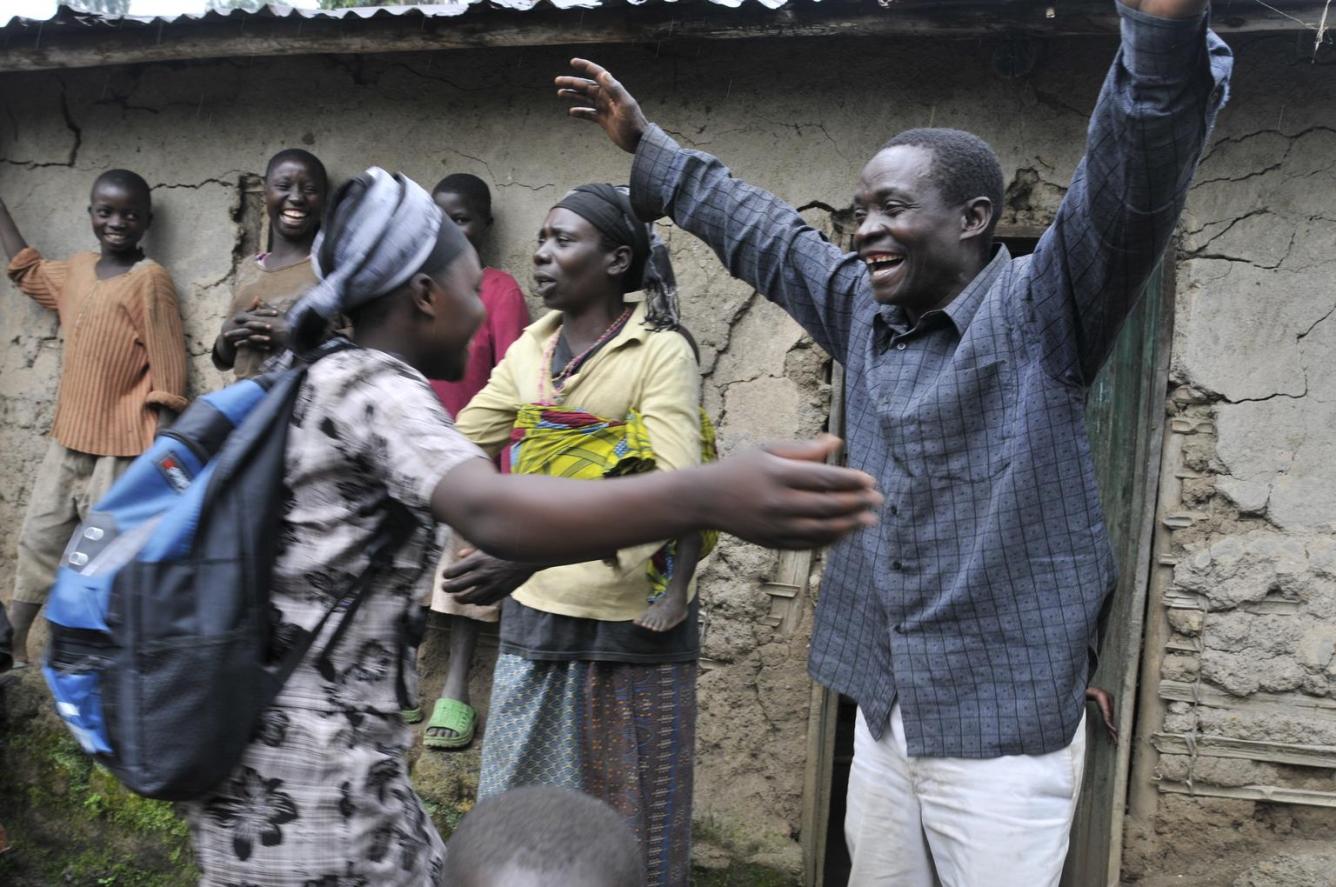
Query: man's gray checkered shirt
point(975, 601)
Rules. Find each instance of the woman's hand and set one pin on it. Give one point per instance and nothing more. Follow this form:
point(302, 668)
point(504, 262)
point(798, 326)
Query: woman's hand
point(785, 496)
point(478, 578)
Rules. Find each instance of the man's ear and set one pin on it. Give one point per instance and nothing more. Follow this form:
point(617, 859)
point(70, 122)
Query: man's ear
point(148, 220)
point(620, 261)
point(974, 221)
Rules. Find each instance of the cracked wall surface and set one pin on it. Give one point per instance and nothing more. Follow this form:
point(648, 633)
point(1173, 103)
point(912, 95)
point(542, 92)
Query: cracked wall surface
point(1244, 726)
point(798, 118)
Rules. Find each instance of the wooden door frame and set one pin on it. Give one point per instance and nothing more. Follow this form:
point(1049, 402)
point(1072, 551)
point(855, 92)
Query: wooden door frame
point(821, 719)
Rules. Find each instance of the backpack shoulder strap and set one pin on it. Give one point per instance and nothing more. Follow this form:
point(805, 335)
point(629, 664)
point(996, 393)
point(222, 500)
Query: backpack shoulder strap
point(393, 532)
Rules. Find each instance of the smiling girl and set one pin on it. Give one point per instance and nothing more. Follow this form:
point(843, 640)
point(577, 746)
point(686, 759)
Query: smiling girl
point(295, 187)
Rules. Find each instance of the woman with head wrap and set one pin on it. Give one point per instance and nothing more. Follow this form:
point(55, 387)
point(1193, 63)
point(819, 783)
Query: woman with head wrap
point(322, 796)
point(589, 692)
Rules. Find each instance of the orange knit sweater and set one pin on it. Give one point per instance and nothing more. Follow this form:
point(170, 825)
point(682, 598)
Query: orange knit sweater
point(124, 349)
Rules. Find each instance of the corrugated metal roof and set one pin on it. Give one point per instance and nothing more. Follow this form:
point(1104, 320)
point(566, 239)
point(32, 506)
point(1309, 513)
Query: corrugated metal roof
point(91, 12)
point(41, 35)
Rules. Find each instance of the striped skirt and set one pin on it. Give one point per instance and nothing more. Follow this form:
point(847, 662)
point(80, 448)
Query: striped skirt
point(620, 732)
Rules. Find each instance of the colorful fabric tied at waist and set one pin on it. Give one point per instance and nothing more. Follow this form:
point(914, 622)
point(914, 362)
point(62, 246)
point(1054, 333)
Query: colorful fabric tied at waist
point(559, 442)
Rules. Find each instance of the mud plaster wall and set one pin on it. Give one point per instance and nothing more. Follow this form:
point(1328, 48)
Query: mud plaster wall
point(1245, 579)
point(796, 117)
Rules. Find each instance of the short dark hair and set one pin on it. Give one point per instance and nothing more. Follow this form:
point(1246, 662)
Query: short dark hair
point(546, 830)
point(470, 187)
point(964, 166)
point(300, 155)
point(124, 178)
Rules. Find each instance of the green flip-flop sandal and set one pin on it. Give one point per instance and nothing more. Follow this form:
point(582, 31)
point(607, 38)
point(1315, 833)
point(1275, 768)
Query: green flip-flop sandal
point(457, 717)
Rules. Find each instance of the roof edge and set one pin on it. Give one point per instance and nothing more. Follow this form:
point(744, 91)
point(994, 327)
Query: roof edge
point(76, 40)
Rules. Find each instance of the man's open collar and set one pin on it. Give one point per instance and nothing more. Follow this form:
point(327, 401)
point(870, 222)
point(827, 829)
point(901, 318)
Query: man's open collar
point(963, 307)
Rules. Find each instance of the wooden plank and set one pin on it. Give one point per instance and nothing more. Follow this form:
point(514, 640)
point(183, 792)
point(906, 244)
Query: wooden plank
point(1143, 793)
point(68, 44)
point(822, 716)
point(1271, 793)
point(821, 723)
point(1294, 754)
point(787, 591)
point(1290, 703)
point(1190, 600)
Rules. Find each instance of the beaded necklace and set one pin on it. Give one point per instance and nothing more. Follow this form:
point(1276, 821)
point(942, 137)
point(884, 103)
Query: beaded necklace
point(556, 382)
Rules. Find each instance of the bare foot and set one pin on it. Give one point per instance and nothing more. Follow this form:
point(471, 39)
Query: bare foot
point(664, 614)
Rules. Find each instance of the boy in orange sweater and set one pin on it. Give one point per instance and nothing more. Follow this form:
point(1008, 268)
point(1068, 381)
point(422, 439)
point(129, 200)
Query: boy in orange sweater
point(124, 366)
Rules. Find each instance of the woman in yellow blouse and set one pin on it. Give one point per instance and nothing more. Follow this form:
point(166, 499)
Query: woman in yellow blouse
point(585, 695)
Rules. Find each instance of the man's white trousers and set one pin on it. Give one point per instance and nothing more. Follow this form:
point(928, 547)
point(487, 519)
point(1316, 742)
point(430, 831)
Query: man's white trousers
point(958, 822)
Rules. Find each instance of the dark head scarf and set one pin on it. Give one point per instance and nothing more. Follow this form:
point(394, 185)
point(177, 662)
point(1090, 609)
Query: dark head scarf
point(380, 230)
point(608, 209)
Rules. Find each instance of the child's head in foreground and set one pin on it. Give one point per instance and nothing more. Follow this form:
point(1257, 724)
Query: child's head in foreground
point(543, 836)
point(120, 208)
point(467, 201)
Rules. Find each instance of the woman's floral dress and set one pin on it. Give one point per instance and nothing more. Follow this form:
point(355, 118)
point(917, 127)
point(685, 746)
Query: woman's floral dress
point(322, 796)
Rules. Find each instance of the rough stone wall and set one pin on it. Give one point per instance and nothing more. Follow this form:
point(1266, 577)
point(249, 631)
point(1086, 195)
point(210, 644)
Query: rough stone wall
point(798, 118)
point(1245, 583)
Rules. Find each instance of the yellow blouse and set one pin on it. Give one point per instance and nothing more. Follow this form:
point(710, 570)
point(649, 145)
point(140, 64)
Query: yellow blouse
point(652, 372)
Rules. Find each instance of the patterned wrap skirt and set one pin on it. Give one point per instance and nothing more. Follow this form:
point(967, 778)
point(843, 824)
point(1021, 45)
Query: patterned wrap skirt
point(319, 800)
point(620, 732)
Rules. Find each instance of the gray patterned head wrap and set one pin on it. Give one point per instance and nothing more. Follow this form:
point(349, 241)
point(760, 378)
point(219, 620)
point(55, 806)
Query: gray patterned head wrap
point(380, 230)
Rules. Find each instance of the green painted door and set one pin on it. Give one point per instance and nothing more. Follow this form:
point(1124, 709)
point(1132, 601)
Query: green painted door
point(1125, 419)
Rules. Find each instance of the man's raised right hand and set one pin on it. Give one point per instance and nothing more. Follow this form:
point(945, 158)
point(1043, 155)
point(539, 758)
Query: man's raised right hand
point(604, 101)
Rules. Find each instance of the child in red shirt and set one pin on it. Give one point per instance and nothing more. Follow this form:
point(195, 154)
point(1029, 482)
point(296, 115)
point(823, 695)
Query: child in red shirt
point(467, 201)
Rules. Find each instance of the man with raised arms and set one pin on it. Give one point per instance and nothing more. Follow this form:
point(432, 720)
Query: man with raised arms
point(964, 623)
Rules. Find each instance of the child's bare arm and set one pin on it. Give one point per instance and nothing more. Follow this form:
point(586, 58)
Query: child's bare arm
point(784, 498)
point(10, 238)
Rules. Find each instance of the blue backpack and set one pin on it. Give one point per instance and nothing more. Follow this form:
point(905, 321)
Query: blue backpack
point(161, 657)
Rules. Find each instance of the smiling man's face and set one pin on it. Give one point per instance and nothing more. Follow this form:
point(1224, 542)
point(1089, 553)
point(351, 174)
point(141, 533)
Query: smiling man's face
point(908, 236)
